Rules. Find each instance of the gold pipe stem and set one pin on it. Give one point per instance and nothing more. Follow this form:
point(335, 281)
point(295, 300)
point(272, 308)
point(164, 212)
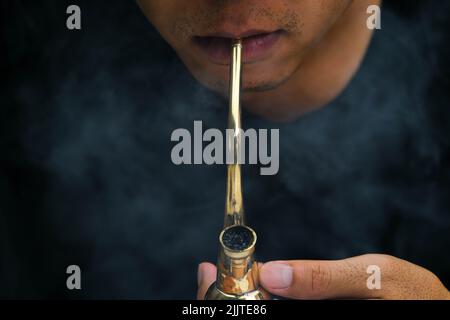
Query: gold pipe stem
point(237, 271)
point(234, 208)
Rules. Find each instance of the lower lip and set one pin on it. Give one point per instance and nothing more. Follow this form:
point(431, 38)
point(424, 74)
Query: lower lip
point(254, 48)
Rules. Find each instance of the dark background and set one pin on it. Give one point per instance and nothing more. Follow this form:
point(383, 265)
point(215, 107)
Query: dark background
point(86, 176)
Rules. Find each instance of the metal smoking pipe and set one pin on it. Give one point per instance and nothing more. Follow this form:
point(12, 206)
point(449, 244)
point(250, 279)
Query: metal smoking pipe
point(237, 271)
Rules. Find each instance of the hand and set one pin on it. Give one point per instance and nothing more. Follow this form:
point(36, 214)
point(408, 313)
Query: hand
point(340, 279)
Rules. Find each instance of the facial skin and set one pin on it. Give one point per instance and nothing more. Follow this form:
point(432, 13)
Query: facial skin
point(295, 56)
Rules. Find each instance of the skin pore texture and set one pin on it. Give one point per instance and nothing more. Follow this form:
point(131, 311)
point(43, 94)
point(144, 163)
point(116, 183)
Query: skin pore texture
point(318, 48)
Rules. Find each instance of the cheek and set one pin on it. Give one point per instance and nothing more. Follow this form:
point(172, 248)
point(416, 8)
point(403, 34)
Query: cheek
point(317, 17)
point(330, 11)
point(163, 15)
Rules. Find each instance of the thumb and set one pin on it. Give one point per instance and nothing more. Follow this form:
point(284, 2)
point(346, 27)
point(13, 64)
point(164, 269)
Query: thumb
point(304, 279)
point(206, 275)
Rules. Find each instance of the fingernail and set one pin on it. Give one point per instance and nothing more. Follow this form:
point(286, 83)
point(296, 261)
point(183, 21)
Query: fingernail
point(276, 275)
point(199, 275)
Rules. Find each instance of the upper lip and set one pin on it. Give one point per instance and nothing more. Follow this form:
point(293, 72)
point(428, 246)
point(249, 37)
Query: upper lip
point(237, 35)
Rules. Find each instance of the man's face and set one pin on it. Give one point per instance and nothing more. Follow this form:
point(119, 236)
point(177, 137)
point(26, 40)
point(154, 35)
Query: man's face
point(276, 36)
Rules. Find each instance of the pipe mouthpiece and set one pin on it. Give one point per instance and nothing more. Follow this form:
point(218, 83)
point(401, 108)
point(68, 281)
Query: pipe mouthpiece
point(236, 42)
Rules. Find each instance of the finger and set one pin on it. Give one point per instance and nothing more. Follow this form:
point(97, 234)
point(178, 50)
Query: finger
point(305, 279)
point(206, 275)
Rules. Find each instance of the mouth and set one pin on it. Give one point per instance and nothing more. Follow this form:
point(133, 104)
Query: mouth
point(256, 44)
